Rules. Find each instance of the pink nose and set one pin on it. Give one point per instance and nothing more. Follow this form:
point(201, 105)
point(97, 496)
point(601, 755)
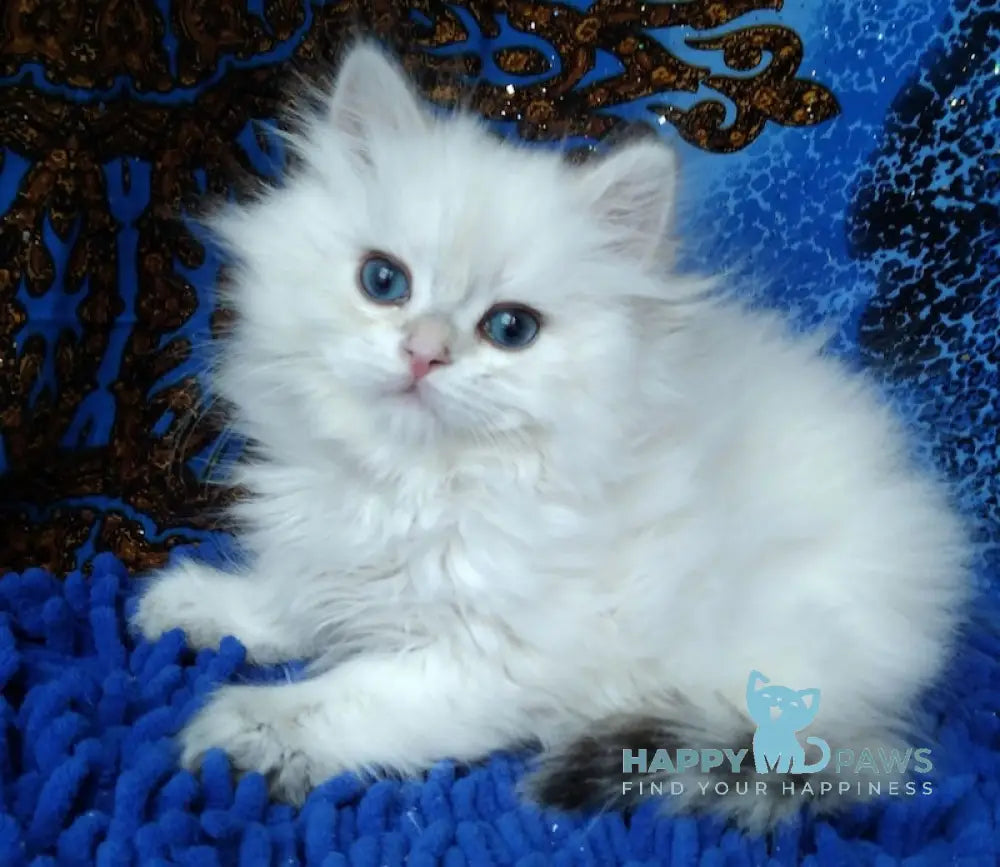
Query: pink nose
point(426, 345)
point(421, 363)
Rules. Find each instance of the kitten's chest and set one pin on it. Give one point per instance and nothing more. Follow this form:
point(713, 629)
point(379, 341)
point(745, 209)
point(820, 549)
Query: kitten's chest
point(426, 556)
point(441, 537)
point(464, 541)
point(452, 536)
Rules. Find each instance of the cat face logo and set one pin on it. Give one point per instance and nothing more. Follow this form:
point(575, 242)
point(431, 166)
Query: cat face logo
point(780, 712)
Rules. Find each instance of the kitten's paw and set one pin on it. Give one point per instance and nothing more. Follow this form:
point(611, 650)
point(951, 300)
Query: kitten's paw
point(208, 605)
point(179, 599)
point(258, 734)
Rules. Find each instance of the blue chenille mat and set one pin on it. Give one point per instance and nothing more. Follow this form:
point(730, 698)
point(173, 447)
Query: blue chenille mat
point(884, 221)
point(90, 776)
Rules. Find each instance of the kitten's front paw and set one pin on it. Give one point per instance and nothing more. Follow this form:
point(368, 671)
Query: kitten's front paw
point(259, 735)
point(179, 599)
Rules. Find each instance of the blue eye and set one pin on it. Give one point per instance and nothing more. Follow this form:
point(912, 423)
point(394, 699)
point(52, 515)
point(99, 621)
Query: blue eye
point(383, 280)
point(510, 326)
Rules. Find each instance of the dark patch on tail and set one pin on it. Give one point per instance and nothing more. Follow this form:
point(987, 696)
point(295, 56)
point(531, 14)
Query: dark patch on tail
point(588, 770)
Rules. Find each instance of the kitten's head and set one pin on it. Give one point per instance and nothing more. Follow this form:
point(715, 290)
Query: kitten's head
point(416, 280)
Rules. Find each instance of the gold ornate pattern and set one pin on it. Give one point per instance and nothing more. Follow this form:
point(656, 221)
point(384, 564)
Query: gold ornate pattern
point(563, 106)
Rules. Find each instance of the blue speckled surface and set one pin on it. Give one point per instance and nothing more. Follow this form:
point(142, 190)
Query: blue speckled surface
point(882, 221)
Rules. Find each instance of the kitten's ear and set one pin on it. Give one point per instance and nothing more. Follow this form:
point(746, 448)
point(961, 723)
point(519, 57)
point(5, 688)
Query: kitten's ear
point(632, 192)
point(372, 96)
point(810, 698)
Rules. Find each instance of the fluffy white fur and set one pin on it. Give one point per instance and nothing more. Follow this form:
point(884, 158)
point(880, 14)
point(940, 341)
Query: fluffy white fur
point(623, 519)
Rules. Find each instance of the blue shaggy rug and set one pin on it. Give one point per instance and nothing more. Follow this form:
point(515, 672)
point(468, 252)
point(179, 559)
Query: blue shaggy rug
point(840, 162)
point(89, 773)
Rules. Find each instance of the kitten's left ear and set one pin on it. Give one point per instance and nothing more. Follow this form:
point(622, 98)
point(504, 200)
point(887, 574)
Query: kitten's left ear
point(632, 192)
point(372, 96)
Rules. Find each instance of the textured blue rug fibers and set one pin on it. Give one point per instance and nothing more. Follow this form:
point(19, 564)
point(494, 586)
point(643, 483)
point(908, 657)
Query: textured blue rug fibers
point(89, 773)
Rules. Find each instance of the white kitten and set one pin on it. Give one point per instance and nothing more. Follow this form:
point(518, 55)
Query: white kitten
point(510, 483)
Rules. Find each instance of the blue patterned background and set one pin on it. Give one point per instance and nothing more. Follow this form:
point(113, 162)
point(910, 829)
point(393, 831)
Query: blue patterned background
point(854, 220)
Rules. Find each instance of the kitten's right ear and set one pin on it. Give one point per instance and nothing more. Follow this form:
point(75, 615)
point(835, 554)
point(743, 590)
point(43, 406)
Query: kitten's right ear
point(631, 192)
point(372, 95)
